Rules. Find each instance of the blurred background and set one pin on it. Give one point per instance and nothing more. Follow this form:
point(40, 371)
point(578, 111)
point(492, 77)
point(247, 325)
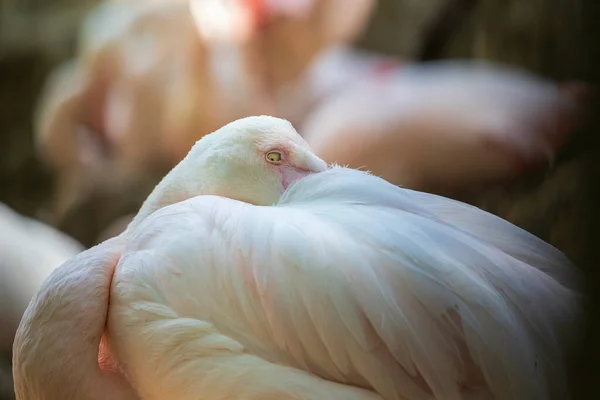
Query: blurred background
point(56, 59)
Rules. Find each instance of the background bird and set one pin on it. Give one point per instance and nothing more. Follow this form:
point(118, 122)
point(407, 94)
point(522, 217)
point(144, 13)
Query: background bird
point(151, 78)
point(30, 251)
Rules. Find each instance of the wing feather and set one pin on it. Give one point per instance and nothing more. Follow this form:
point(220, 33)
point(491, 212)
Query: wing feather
point(363, 283)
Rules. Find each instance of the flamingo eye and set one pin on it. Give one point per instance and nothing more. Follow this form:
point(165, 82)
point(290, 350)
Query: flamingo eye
point(274, 157)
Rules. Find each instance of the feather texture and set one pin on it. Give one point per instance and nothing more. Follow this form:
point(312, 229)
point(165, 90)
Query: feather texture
point(348, 282)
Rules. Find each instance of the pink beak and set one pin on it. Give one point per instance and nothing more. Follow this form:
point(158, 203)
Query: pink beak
point(301, 167)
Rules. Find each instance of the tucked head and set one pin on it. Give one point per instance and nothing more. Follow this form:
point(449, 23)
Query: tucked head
point(253, 159)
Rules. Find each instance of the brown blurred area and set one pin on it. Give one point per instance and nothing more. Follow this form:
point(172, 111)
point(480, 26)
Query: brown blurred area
point(555, 38)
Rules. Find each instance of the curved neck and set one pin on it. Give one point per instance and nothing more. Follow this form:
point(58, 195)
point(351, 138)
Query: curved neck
point(165, 193)
point(168, 191)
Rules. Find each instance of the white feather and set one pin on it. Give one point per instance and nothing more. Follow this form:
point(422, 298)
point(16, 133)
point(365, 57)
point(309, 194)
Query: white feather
point(350, 278)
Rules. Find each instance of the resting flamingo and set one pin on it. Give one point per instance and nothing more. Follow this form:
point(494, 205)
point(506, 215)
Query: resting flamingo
point(254, 271)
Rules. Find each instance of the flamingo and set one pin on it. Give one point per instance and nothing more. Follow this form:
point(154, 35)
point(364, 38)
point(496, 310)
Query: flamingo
point(255, 271)
point(152, 77)
point(50, 360)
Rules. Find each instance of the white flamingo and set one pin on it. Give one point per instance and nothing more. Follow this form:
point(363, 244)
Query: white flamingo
point(255, 272)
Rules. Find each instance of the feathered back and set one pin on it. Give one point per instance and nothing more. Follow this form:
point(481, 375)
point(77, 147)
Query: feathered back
point(352, 279)
point(517, 296)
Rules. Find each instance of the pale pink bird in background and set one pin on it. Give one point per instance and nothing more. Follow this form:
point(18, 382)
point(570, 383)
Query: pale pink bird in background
point(146, 84)
point(152, 77)
point(30, 251)
point(103, 117)
point(438, 126)
point(254, 271)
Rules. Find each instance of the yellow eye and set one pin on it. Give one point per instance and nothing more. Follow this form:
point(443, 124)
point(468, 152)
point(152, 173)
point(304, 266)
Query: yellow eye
point(274, 157)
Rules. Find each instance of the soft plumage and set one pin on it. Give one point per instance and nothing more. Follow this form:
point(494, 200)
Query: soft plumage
point(342, 281)
point(55, 354)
